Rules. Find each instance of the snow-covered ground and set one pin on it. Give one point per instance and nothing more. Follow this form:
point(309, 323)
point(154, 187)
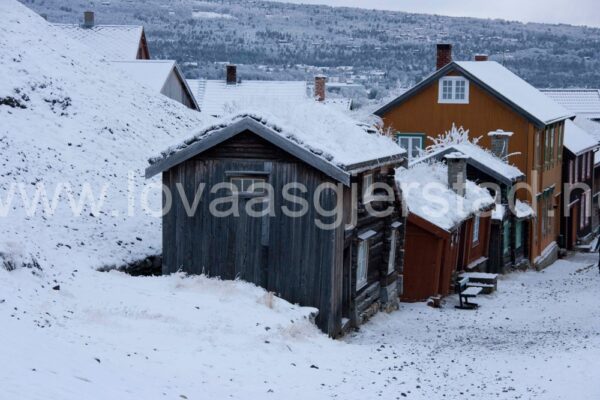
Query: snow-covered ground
point(109, 335)
point(70, 332)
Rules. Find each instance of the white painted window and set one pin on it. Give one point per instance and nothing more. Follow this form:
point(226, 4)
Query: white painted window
point(453, 89)
point(412, 144)
point(392, 257)
point(552, 159)
point(367, 189)
point(247, 185)
point(362, 264)
point(587, 165)
point(570, 171)
point(582, 212)
point(538, 149)
point(476, 230)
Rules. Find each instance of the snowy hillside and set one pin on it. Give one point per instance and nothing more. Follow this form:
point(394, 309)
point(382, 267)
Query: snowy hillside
point(69, 120)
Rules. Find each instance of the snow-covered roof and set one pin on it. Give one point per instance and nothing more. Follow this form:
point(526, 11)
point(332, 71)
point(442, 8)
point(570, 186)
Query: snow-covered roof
point(151, 73)
point(516, 90)
point(113, 42)
point(343, 103)
point(584, 102)
point(319, 131)
point(478, 157)
point(425, 190)
point(500, 82)
point(217, 98)
point(154, 73)
point(577, 140)
point(591, 127)
point(77, 120)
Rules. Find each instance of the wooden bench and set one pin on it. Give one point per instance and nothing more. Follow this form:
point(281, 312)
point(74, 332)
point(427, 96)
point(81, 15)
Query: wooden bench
point(481, 278)
point(465, 293)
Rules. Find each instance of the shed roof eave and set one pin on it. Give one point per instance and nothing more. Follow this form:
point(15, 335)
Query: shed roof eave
point(248, 123)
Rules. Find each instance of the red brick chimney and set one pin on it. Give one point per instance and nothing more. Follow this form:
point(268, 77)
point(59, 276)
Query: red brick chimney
point(320, 87)
point(231, 74)
point(444, 55)
point(481, 57)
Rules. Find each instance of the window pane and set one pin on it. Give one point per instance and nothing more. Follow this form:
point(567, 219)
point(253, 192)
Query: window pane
point(248, 185)
point(362, 264)
point(415, 147)
point(237, 183)
point(459, 90)
point(447, 90)
point(506, 238)
point(519, 234)
point(476, 229)
point(367, 189)
point(392, 258)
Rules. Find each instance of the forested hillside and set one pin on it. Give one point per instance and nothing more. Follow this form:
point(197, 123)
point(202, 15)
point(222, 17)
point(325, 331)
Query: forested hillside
point(380, 49)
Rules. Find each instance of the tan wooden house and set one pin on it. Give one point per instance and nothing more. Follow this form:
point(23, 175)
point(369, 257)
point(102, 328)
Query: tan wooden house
point(484, 96)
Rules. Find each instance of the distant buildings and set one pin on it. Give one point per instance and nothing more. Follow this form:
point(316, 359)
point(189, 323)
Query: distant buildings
point(127, 48)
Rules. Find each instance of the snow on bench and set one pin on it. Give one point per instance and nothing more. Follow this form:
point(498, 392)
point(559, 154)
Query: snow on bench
point(471, 291)
point(481, 277)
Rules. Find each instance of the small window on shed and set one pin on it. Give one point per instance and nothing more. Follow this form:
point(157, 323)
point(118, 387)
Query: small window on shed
point(476, 221)
point(367, 189)
point(362, 264)
point(247, 185)
point(392, 256)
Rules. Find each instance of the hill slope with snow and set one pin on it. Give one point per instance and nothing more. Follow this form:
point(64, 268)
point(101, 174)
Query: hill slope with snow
point(70, 120)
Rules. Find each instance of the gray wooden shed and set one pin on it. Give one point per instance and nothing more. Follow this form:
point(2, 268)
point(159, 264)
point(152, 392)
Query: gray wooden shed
point(347, 272)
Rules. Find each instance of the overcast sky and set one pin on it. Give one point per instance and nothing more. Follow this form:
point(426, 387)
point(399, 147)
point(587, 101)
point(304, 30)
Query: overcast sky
point(576, 12)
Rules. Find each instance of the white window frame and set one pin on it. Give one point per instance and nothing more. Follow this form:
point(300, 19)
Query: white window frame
point(410, 139)
point(582, 212)
point(362, 264)
point(587, 165)
point(552, 158)
point(453, 87)
point(367, 188)
point(538, 149)
point(476, 222)
point(392, 255)
point(576, 170)
point(571, 171)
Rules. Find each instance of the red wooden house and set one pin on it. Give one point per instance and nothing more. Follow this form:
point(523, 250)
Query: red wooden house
point(447, 229)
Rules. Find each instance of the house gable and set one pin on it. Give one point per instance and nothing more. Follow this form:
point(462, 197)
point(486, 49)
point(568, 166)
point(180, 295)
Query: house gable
point(460, 69)
point(421, 113)
point(249, 124)
point(143, 52)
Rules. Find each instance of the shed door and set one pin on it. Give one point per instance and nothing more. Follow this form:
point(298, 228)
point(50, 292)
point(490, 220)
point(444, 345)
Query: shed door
point(250, 235)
